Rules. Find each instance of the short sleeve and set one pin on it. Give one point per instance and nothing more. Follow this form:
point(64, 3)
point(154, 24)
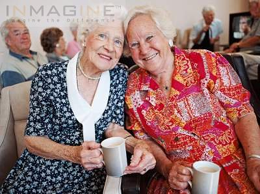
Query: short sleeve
point(10, 78)
point(40, 110)
point(220, 28)
point(226, 86)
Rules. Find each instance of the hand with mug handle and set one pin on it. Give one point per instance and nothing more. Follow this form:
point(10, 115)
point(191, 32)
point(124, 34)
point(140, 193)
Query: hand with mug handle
point(142, 159)
point(179, 175)
point(91, 156)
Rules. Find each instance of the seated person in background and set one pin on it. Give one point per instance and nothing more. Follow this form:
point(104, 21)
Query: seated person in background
point(250, 42)
point(53, 44)
point(72, 104)
point(207, 31)
point(73, 46)
point(189, 105)
point(20, 63)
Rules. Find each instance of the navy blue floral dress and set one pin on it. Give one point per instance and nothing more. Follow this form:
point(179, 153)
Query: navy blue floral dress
point(51, 115)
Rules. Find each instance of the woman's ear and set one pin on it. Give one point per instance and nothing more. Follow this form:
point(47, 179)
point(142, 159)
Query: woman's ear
point(170, 42)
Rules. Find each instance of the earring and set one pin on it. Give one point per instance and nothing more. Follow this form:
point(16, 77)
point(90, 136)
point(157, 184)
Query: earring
point(84, 44)
point(170, 42)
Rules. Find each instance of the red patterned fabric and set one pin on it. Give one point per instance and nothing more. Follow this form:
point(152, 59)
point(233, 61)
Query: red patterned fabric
point(196, 121)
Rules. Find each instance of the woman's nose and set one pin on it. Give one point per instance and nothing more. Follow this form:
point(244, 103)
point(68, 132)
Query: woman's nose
point(109, 45)
point(144, 48)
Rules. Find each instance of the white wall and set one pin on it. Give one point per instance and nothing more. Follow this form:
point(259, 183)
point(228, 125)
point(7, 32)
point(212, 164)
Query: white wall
point(184, 13)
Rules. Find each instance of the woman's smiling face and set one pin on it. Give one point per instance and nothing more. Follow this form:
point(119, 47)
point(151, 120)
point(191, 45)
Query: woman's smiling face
point(148, 46)
point(104, 46)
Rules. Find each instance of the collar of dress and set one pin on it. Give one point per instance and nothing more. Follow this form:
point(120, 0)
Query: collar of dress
point(87, 114)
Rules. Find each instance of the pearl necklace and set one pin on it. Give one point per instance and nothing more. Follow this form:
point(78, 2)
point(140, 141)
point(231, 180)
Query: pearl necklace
point(88, 77)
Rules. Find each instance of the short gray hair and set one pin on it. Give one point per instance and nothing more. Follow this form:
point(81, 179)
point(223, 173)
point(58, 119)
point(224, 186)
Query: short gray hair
point(207, 9)
point(73, 26)
point(91, 22)
point(160, 17)
point(4, 30)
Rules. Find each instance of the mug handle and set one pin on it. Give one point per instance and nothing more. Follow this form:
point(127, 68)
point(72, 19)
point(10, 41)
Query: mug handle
point(100, 149)
point(189, 182)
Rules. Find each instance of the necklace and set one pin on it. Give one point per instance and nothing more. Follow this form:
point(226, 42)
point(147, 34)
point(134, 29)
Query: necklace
point(88, 77)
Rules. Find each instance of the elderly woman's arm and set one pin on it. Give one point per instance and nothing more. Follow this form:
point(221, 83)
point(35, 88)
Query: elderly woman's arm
point(248, 133)
point(87, 154)
point(142, 159)
point(176, 173)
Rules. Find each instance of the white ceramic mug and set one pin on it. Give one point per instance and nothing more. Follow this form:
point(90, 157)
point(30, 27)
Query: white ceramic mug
point(205, 177)
point(114, 153)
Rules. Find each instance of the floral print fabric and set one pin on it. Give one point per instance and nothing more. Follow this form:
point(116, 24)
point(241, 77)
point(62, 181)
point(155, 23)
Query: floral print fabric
point(51, 116)
point(196, 121)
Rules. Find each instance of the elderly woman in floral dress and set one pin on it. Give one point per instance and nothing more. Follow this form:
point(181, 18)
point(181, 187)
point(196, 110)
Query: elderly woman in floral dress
point(71, 105)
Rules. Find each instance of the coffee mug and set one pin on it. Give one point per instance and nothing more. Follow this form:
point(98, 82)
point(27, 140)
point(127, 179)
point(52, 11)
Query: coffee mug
point(205, 177)
point(114, 154)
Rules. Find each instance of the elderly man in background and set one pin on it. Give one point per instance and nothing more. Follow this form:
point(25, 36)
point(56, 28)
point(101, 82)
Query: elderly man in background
point(206, 33)
point(250, 44)
point(20, 63)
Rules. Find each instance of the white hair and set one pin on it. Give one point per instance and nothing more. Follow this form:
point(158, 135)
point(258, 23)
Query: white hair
point(158, 15)
point(4, 30)
point(73, 26)
point(105, 13)
point(207, 9)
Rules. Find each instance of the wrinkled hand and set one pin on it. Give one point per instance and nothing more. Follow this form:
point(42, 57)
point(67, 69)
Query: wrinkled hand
point(179, 175)
point(253, 171)
point(142, 159)
point(232, 48)
point(91, 156)
point(115, 130)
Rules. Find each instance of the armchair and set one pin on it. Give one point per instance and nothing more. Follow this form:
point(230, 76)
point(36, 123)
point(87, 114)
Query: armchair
point(14, 111)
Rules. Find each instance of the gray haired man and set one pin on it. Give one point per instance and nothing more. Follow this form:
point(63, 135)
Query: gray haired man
point(20, 63)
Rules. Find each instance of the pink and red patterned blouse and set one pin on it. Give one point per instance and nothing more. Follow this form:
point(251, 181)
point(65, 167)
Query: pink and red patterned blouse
point(196, 121)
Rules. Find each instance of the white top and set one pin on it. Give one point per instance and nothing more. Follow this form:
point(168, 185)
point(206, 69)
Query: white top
point(87, 114)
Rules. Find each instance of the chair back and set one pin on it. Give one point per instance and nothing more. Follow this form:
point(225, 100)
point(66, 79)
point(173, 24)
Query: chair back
point(14, 111)
point(186, 38)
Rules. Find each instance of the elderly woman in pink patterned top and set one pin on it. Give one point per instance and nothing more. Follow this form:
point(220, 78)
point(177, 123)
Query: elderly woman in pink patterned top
point(189, 105)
